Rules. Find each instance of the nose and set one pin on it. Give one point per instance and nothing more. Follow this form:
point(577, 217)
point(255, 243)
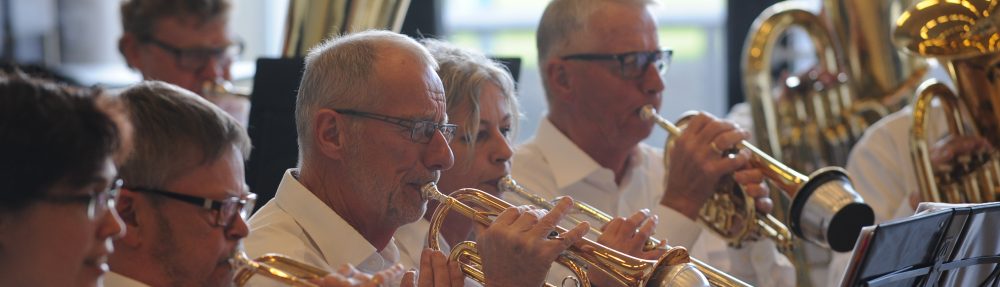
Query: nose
point(438, 154)
point(652, 81)
point(238, 229)
point(111, 225)
point(215, 68)
point(501, 151)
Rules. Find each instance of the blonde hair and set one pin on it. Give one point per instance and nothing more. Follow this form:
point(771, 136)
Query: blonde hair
point(464, 73)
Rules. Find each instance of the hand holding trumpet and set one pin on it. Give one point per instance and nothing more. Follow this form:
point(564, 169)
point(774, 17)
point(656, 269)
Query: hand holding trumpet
point(702, 157)
point(519, 247)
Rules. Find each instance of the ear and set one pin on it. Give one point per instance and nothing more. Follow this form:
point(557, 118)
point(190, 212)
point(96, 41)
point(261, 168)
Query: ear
point(558, 79)
point(128, 45)
point(329, 128)
point(127, 206)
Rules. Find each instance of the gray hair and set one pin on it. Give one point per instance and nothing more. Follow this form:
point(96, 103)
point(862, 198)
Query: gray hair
point(339, 74)
point(139, 16)
point(175, 130)
point(464, 73)
point(561, 21)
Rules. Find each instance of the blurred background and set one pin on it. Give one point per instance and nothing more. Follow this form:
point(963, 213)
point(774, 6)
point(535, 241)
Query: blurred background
point(77, 40)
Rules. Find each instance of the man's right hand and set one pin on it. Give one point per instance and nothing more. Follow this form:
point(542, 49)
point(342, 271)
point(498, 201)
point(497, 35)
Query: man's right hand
point(517, 249)
point(697, 163)
point(435, 271)
point(947, 152)
point(628, 235)
point(348, 276)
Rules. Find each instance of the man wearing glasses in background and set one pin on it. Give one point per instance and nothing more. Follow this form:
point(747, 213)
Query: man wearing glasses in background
point(184, 199)
point(601, 62)
point(186, 43)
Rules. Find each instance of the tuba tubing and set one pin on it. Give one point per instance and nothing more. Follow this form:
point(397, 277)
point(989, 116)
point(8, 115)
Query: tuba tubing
point(714, 276)
point(825, 208)
point(584, 256)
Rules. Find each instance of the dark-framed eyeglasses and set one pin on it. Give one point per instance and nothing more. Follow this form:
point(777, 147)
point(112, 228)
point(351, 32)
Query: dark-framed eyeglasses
point(195, 59)
point(225, 210)
point(420, 131)
point(97, 203)
point(632, 65)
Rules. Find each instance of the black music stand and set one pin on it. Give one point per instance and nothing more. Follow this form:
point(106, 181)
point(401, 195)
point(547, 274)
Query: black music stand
point(272, 122)
point(951, 247)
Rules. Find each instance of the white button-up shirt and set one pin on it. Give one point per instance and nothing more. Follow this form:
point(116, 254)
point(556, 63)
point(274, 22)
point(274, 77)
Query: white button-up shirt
point(112, 279)
point(300, 226)
point(551, 165)
point(882, 171)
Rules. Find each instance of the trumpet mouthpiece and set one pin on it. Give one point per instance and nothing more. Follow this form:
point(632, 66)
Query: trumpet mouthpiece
point(507, 183)
point(647, 112)
point(430, 191)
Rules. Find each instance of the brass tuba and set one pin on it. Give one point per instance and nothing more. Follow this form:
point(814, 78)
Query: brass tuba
point(816, 122)
point(585, 256)
point(714, 276)
point(276, 267)
point(825, 208)
point(962, 36)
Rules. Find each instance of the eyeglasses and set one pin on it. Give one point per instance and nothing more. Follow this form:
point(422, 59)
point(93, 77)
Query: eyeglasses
point(196, 59)
point(420, 131)
point(632, 65)
point(225, 210)
point(97, 203)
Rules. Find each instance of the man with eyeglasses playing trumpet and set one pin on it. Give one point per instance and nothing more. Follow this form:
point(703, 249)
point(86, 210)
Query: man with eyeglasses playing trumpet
point(184, 195)
point(185, 43)
point(601, 62)
point(373, 131)
point(185, 201)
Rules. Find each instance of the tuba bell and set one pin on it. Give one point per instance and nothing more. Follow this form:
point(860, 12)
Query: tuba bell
point(825, 208)
point(963, 37)
point(714, 276)
point(673, 269)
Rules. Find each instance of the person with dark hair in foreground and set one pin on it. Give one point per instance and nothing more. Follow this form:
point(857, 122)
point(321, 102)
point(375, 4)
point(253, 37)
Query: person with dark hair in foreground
point(58, 152)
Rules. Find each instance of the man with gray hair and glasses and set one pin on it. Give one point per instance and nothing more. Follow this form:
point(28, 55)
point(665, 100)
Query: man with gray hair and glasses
point(601, 61)
point(185, 200)
point(373, 130)
point(186, 43)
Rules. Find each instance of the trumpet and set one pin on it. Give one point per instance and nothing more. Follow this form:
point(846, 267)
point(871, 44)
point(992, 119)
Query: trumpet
point(276, 267)
point(730, 213)
point(715, 276)
point(825, 208)
point(584, 256)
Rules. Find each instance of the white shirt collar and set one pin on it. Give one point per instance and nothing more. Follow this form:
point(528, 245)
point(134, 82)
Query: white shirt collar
point(333, 235)
point(112, 279)
point(569, 163)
